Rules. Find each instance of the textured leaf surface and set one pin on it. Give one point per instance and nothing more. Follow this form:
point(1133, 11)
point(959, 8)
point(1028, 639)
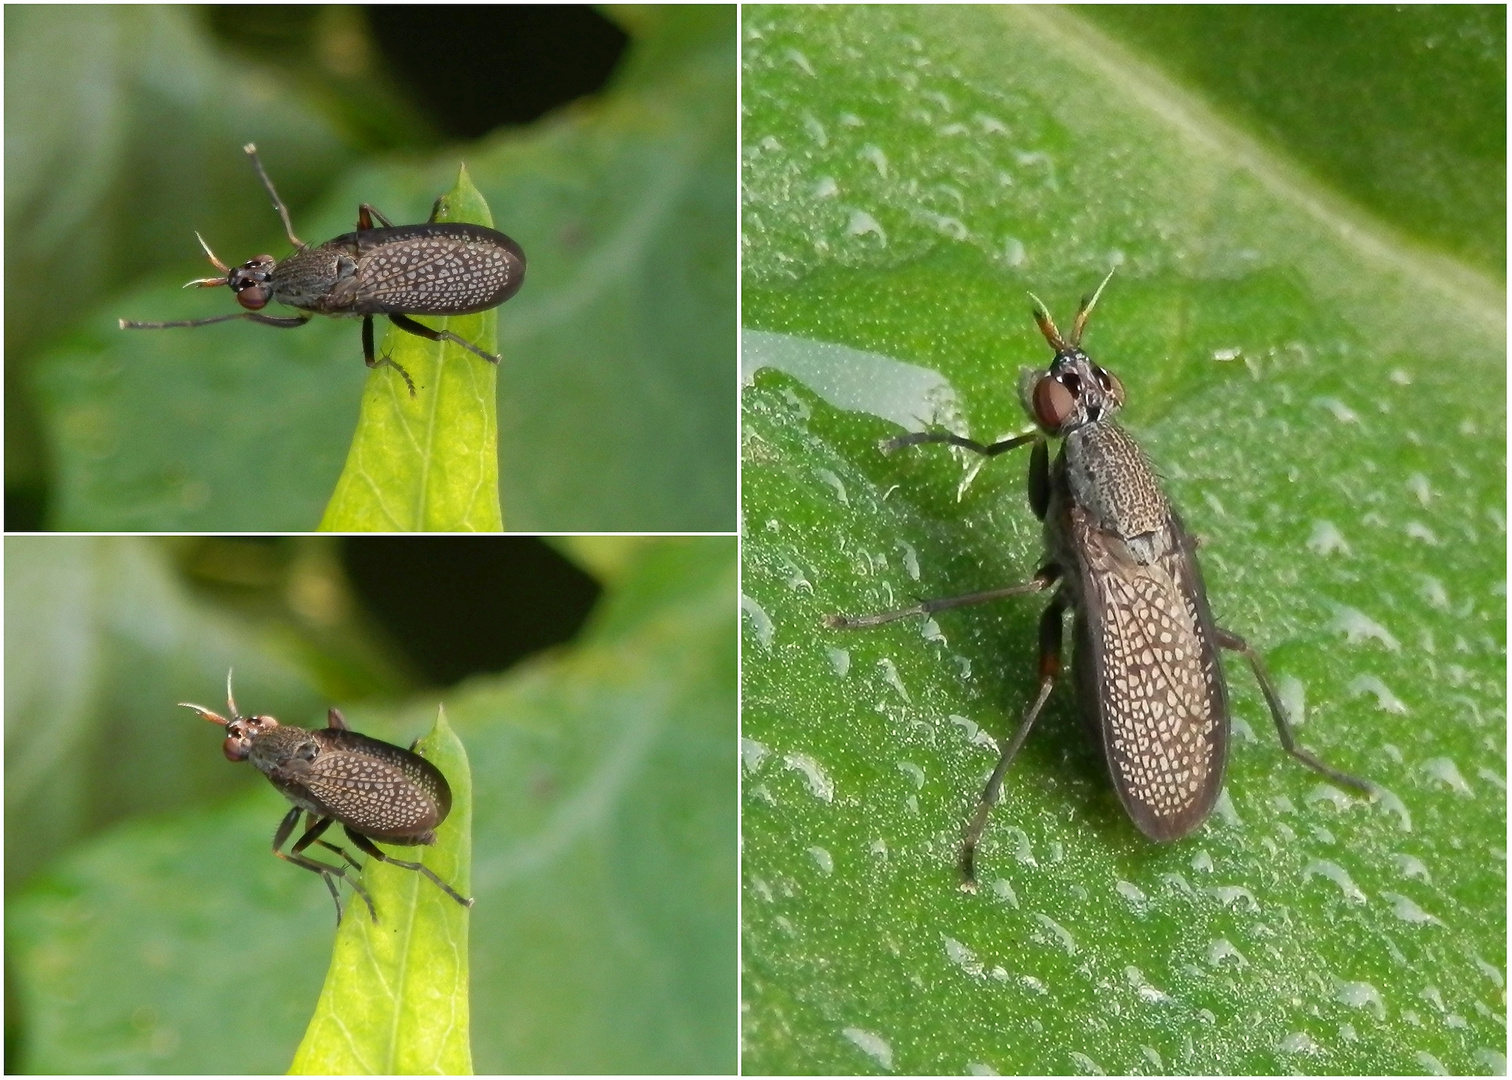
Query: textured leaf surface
point(1299, 374)
point(427, 463)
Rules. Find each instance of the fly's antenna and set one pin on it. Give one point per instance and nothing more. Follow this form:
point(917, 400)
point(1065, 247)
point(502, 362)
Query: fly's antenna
point(209, 282)
point(1047, 326)
point(210, 714)
point(1087, 304)
point(231, 701)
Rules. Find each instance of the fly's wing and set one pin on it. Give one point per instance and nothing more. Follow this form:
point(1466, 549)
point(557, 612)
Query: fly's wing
point(437, 269)
point(379, 789)
point(1153, 677)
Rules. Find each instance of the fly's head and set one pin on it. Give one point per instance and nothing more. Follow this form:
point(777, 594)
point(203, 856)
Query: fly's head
point(249, 281)
point(241, 730)
point(1075, 390)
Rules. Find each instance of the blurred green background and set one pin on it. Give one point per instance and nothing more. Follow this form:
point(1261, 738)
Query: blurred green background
point(603, 140)
point(148, 927)
point(1306, 207)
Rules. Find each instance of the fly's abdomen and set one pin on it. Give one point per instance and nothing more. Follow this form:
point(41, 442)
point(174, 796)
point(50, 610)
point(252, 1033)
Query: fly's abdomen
point(380, 790)
point(1153, 674)
point(436, 269)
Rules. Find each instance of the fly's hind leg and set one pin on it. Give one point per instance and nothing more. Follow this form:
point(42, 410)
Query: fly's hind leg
point(1283, 727)
point(367, 846)
point(404, 322)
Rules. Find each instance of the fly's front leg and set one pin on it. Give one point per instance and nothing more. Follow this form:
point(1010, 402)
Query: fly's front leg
point(1050, 634)
point(1278, 714)
point(915, 438)
point(288, 322)
point(283, 211)
point(404, 322)
point(372, 362)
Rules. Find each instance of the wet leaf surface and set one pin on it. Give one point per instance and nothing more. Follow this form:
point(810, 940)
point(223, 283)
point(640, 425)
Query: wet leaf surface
point(908, 175)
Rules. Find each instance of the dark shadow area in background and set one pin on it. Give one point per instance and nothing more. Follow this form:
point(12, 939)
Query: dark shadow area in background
point(474, 67)
point(462, 605)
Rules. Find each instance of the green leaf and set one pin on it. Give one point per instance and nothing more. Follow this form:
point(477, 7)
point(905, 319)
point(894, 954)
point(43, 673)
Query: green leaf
point(616, 381)
point(1299, 375)
point(603, 937)
point(1419, 141)
point(427, 462)
point(395, 999)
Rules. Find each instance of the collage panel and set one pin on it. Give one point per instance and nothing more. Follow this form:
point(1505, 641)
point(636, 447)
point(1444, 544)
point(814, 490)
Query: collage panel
point(522, 219)
point(1045, 571)
point(545, 728)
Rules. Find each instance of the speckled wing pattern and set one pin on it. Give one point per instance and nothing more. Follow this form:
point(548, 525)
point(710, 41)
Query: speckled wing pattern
point(434, 274)
point(1164, 704)
point(375, 796)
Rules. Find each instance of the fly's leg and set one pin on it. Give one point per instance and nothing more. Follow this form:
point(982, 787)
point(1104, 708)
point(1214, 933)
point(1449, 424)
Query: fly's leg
point(327, 872)
point(404, 322)
point(1043, 580)
point(365, 214)
point(1050, 633)
point(283, 322)
point(385, 360)
point(278, 205)
point(1278, 714)
point(916, 438)
point(340, 851)
point(1050, 622)
point(370, 848)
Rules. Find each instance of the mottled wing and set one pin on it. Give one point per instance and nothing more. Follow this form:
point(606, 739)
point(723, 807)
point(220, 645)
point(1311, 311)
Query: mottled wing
point(1157, 678)
point(439, 270)
point(377, 788)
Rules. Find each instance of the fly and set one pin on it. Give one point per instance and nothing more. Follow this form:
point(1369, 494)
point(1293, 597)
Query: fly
point(1145, 660)
point(437, 268)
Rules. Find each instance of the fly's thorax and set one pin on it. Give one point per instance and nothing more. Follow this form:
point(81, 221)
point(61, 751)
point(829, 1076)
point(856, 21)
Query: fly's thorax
point(283, 752)
point(316, 279)
point(1111, 478)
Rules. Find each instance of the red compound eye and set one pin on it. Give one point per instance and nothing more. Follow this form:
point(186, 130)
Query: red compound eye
point(1054, 404)
point(253, 297)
